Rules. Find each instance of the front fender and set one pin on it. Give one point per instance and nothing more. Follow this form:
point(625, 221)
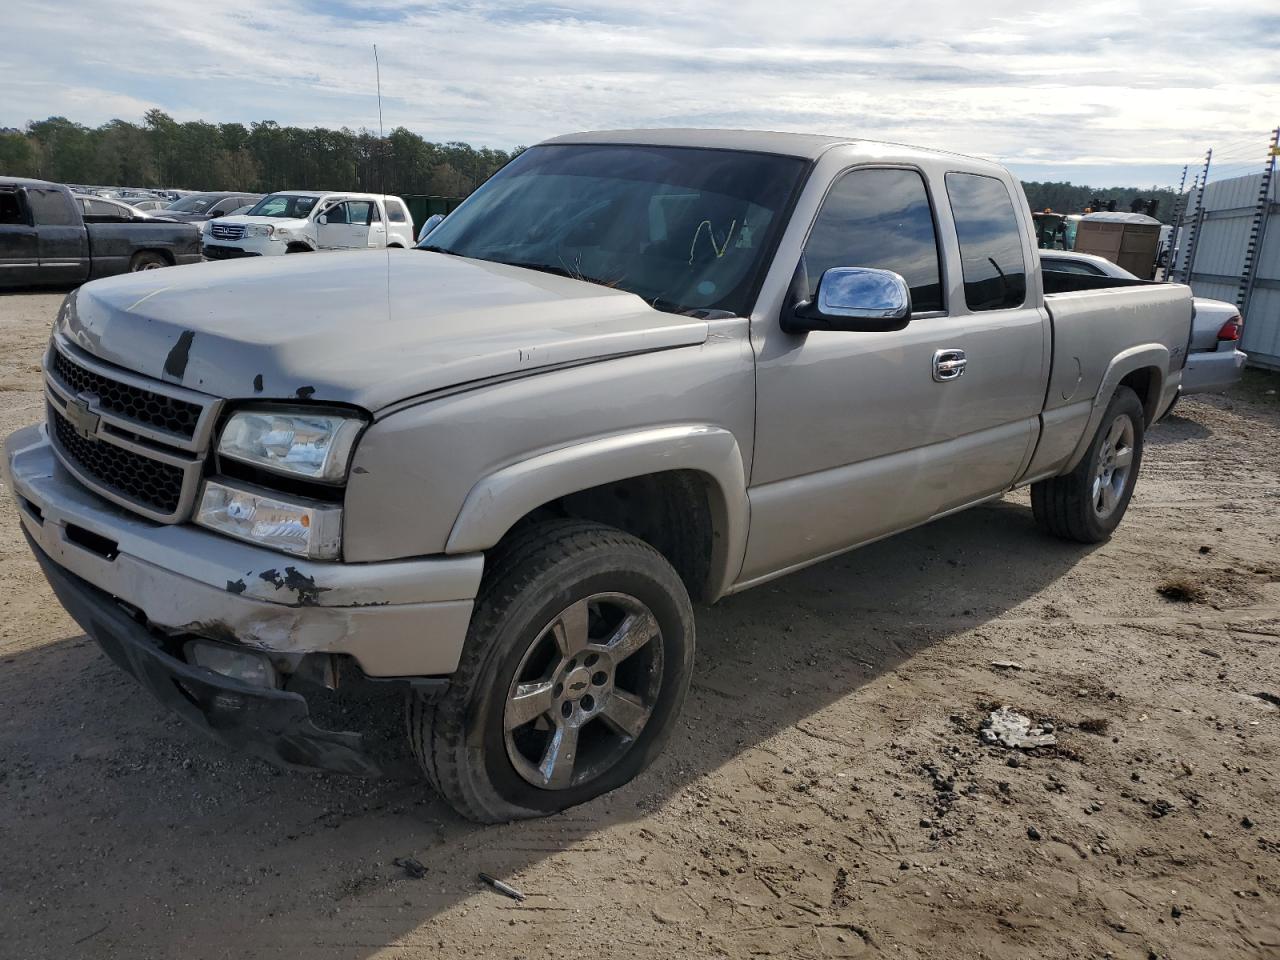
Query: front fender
point(500, 499)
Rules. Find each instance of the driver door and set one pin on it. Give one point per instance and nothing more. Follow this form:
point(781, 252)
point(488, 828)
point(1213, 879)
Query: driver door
point(345, 226)
point(861, 434)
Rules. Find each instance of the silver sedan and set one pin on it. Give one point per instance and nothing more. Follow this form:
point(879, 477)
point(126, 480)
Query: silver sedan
point(1215, 361)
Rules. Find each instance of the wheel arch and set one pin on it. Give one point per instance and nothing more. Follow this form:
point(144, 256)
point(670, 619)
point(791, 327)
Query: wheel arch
point(163, 253)
point(1142, 369)
point(680, 488)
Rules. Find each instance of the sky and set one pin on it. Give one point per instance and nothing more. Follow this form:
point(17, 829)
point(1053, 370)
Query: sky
point(1105, 93)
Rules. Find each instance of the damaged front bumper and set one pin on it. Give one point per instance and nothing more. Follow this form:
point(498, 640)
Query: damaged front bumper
point(140, 589)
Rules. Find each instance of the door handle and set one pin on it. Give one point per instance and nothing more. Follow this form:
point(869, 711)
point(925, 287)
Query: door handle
point(948, 365)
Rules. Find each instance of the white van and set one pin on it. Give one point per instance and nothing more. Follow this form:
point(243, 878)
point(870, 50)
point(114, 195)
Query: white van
point(303, 221)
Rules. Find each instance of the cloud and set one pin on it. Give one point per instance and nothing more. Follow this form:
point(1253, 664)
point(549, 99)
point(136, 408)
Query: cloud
point(1114, 86)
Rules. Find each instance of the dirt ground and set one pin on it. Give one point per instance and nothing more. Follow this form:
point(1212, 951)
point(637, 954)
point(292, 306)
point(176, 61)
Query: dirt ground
point(826, 794)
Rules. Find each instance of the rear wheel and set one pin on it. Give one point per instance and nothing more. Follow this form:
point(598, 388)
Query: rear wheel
point(147, 260)
point(576, 665)
point(1088, 503)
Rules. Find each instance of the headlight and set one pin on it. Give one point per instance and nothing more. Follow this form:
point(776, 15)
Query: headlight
point(312, 445)
point(307, 528)
point(258, 230)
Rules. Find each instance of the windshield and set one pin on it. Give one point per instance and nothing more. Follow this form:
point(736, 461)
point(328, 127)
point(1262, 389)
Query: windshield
point(288, 205)
point(196, 203)
point(684, 228)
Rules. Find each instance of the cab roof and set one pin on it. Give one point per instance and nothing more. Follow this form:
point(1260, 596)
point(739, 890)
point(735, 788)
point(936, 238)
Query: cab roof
point(808, 146)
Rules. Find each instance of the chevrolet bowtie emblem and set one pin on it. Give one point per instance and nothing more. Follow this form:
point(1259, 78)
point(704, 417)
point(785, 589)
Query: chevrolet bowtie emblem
point(80, 413)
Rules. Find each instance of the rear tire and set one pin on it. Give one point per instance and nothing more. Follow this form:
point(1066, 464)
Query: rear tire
point(576, 665)
point(1087, 504)
point(147, 260)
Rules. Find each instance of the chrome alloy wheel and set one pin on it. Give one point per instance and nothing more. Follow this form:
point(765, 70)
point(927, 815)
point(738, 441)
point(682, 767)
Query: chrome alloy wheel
point(1115, 461)
point(584, 691)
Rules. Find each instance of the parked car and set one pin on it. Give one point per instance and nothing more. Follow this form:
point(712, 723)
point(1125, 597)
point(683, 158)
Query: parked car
point(480, 481)
point(45, 237)
point(96, 209)
point(303, 221)
point(149, 205)
point(1215, 361)
point(199, 207)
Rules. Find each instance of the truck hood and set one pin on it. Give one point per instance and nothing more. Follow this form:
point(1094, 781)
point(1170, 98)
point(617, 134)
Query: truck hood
point(362, 328)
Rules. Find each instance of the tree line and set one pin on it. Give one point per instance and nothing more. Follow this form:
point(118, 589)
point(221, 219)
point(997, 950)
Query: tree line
point(265, 156)
point(259, 158)
point(1062, 197)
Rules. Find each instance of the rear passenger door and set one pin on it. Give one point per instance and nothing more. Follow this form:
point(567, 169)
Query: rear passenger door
point(859, 434)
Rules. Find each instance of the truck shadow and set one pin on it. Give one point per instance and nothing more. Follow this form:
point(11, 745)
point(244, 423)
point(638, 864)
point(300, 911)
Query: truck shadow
point(132, 835)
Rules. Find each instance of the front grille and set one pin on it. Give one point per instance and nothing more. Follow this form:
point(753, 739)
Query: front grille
point(151, 483)
point(144, 406)
point(226, 253)
point(226, 231)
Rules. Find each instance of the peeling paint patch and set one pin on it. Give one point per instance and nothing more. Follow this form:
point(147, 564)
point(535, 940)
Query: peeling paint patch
point(304, 393)
point(257, 384)
point(236, 586)
point(175, 364)
point(303, 586)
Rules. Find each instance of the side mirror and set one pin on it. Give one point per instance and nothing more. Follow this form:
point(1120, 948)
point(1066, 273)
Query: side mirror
point(216, 214)
point(430, 224)
point(323, 218)
point(853, 298)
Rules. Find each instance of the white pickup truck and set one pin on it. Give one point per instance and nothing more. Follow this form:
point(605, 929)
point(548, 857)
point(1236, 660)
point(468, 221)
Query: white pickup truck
point(303, 221)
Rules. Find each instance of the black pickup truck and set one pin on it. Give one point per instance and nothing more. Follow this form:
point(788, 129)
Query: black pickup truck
point(44, 239)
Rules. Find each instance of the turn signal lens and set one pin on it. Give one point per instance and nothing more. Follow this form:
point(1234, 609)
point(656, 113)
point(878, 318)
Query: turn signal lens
point(1230, 330)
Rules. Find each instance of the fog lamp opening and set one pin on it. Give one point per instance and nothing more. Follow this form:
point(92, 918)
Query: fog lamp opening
point(247, 666)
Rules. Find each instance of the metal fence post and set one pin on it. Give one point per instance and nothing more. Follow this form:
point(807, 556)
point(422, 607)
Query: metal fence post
point(1258, 232)
point(1193, 231)
point(1180, 207)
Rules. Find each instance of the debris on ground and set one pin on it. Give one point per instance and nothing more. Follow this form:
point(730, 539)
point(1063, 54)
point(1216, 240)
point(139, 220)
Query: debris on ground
point(1008, 728)
point(411, 867)
point(502, 888)
point(1098, 725)
point(1007, 665)
point(1182, 590)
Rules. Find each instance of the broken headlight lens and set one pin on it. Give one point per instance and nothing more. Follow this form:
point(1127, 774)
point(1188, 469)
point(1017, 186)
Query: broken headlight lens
point(307, 528)
point(312, 445)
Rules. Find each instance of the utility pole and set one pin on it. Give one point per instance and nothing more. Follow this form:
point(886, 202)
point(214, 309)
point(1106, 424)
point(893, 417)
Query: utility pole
point(1193, 230)
point(1257, 233)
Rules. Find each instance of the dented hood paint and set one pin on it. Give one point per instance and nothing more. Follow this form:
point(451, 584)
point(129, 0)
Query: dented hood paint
point(362, 328)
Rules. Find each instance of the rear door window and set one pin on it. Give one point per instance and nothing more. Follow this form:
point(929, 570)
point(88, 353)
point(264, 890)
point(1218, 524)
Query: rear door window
point(51, 208)
point(992, 259)
point(396, 213)
point(878, 218)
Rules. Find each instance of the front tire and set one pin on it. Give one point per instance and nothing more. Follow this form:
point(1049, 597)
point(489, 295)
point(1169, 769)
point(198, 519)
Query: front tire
point(1087, 504)
point(576, 665)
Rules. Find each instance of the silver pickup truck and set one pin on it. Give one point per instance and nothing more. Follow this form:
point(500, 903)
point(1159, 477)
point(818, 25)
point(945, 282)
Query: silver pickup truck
point(477, 484)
